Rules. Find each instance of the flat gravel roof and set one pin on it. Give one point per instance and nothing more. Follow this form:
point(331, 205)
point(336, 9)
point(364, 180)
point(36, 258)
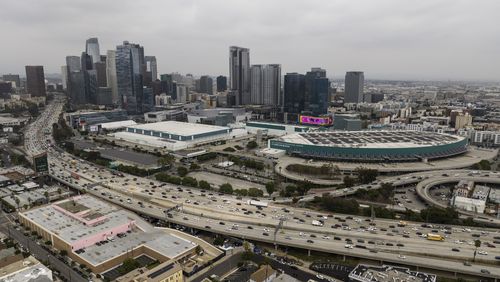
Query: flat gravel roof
point(372, 139)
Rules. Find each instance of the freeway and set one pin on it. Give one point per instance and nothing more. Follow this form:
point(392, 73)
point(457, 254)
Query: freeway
point(379, 240)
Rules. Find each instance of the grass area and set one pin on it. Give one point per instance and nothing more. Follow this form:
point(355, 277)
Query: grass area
point(319, 256)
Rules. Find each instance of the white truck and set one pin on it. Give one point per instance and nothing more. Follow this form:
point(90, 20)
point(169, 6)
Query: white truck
point(317, 223)
point(257, 203)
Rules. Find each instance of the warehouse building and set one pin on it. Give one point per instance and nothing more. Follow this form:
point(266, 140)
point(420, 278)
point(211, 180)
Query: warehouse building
point(174, 135)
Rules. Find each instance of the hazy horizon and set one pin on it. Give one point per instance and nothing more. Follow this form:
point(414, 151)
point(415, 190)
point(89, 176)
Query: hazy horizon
point(435, 40)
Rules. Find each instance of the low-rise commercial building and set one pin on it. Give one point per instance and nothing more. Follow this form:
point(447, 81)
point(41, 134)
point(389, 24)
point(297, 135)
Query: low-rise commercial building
point(481, 192)
point(21, 270)
point(469, 204)
point(101, 236)
point(388, 273)
point(158, 116)
point(219, 116)
point(274, 129)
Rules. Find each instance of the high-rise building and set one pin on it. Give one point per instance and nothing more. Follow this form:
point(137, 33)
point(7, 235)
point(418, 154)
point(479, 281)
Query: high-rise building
point(92, 49)
point(86, 61)
point(111, 76)
point(256, 84)
point(100, 68)
point(168, 85)
point(206, 84)
point(354, 83)
point(129, 74)
point(239, 74)
point(265, 85)
point(148, 101)
point(12, 78)
point(221, 83)
point(294, 93)
point(104, 96)
point(64, 76)
point(182, 93)
point(91, 86)
point(73, 63)
point(35, 81)
point(317, 96)
point(5, 88)
point(151, 67)
point(76, 87)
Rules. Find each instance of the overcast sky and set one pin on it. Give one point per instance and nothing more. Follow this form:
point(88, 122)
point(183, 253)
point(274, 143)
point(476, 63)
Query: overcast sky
point(393, 39)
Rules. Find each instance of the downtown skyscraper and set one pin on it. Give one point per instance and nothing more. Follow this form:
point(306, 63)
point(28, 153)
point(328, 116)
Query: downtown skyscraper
point(35, 81)
point(129, 76)
point(265, 85)
point(239, 74)
point(354, 83)
point(308, 94)
point(111, 76)
point(294, 93)
point(92, 49)
point(151, 70)
point(317, 95)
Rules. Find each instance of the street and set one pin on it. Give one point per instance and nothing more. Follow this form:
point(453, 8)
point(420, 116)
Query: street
point(40, 253)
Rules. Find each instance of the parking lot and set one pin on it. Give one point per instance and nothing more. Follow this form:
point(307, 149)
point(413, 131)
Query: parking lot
point(218, 180)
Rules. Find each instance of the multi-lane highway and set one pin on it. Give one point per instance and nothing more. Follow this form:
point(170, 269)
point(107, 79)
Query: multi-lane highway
point(380, 240)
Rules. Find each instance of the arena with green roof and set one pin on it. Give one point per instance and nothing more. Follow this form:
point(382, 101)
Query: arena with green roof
point(371, 146)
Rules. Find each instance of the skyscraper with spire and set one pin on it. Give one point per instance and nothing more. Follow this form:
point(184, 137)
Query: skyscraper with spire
point(92, 49)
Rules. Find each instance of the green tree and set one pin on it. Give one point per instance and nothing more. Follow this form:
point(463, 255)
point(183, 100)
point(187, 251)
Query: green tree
point(255, 192)
point(166, 160)
point(482, 165)
point(204, 185)
point(63, 253)
point(218, 241)
point(226, 188)
point(240, 192)
point(439, 215)
point(128, 265)
point(348, 181)
point(270, 188)
point(340, 205)
point(252, 145)
point(16, 199)
point(189, 181)
point(366, 175)
point(194, 166)
point(477, 244)
point(182, 171)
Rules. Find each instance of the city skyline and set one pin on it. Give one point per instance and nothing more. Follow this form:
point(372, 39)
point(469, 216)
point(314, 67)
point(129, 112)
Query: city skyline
point(429, 40)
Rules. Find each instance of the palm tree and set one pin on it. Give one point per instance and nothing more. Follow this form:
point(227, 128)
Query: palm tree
point(46, 194)
point(477, 244)
point(16, 199)
point(29, 201)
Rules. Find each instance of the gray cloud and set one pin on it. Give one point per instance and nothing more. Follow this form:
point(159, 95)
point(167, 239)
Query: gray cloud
point(393, 39)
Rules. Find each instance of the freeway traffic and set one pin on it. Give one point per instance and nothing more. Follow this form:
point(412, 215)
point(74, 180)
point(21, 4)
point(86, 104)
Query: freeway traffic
point(229, 215)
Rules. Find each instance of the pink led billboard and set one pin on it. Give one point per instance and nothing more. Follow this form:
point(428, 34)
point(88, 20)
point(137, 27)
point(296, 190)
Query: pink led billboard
point(315, 120)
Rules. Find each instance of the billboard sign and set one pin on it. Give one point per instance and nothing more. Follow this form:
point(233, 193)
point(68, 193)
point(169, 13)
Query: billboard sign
point(315, 120)
point(40, 162)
